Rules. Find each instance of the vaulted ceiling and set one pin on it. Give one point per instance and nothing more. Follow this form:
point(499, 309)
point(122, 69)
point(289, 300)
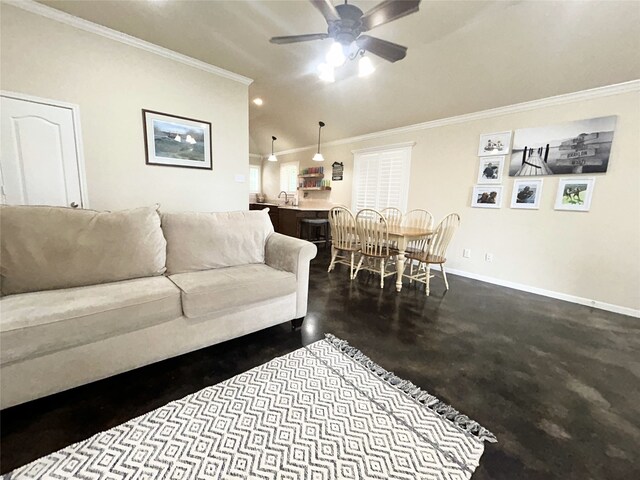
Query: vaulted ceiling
point(464, 56)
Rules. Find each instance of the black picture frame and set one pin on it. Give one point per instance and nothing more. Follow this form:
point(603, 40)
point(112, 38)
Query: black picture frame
point(194, 151)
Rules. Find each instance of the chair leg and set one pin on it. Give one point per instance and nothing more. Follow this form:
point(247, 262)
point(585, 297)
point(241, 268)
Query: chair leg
point(351, 272)
point(444, 275)
point(334, 254)
point(382, 264)
point(427, 278)
point(358, 267)
point(410, 272)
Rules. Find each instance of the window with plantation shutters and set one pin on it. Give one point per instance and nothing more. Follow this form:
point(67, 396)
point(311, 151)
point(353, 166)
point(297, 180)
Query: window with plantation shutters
point(289, 177)
point(254, 179)
point(381, 177)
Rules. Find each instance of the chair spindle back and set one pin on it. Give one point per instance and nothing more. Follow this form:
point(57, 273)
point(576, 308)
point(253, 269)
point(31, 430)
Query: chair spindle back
point(443, 235)
point(373, 233)
point(421, 219)
point(393, 216)
point(343, 228)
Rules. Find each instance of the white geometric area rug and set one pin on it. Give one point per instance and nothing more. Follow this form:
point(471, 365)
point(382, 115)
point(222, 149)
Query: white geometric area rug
point(325, 411)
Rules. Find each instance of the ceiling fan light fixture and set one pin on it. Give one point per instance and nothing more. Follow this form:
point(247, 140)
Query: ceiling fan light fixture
point(272, 157)
point(365, 67)
point(318, 156)
point(346, 24)
point(326, 73)
point(336, 57)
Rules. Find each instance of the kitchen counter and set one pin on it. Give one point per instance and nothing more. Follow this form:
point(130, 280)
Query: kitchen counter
point(286, 218)
point(306, 209)
point(301, 208)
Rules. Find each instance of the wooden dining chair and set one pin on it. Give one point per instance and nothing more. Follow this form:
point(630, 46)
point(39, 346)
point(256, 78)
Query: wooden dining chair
point(393, 216)
point(344, 240)
point(373, 236)
point(422, 219)
point(435, 253)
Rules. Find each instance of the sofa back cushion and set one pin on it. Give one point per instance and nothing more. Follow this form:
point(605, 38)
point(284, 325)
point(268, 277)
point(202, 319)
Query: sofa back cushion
point(202, 241)
point(46, 248)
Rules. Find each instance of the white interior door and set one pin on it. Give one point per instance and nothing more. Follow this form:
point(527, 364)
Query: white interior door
point(39, 154)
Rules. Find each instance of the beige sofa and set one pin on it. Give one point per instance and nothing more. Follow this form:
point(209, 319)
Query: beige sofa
point(88, 294)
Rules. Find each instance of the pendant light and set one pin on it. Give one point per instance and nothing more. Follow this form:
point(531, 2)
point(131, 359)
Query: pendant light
point(272, 157)
point(318, 156)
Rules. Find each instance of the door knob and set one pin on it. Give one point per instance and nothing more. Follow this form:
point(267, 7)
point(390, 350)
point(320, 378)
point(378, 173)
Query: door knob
point(74, 205)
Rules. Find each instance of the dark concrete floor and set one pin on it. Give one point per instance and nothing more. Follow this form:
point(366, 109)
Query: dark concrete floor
point(558, 383)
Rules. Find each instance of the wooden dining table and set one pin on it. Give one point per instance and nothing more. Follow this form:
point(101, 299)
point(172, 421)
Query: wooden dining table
point(402, 236)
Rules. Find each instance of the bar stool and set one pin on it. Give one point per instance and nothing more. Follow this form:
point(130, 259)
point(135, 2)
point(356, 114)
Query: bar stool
point(315, 230)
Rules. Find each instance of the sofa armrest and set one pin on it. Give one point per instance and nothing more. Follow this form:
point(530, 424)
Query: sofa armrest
point(292, 255)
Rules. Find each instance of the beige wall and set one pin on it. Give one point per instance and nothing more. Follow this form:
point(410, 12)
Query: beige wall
point(594, 255)
point(112, 82)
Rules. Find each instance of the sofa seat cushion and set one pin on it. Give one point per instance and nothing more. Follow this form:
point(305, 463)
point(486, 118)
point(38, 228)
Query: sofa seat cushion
point(219, 289)
point(38, 323)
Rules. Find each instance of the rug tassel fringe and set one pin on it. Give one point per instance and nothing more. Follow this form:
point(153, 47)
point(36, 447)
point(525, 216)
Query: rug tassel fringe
point(442, 409)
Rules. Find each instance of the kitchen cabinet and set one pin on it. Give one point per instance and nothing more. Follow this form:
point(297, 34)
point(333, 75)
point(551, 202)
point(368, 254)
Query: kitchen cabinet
point(286, 220)
point(289, 221)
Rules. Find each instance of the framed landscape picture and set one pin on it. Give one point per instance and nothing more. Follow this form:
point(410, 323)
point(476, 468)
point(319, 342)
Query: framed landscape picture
point(494, 144)
point(582, 146)
point(489, 196)
point(575, 194)
point(526, 194)
point(174, 141)
point(491, 168)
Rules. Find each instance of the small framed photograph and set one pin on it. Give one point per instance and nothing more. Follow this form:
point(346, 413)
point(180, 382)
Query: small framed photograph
point(174, 141)
point(490, 170)
point(489, 196)
point(494, 144)
point(575, 194)
point(526, 194)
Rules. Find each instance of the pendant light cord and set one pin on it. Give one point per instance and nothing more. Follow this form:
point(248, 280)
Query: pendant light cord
point(319, 130)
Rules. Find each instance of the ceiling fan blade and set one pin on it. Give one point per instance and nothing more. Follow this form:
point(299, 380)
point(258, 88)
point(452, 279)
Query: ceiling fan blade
point(299, 38)
point(327, 9)
point(387, 50)
point(388, 11)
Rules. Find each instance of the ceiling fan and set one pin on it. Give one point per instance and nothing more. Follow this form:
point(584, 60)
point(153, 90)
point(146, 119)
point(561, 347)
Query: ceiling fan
point(347, 22)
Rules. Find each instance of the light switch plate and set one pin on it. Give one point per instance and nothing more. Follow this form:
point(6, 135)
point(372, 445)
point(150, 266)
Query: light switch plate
point(239, 178)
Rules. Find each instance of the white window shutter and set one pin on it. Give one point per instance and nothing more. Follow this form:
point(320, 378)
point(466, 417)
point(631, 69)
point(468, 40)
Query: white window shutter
point(254, 179)
point(289, 177)
point(381, 178)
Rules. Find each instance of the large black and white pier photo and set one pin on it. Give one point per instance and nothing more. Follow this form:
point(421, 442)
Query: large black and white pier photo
point(583, 146)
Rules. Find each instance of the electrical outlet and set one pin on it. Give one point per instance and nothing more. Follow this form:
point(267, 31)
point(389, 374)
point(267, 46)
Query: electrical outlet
point(466, 253)
point(488, 257)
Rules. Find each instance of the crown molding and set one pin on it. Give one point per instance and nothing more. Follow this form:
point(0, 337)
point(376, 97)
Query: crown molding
point(616, 89)
point(384, 147)
point(62, 17)
point(255, 155)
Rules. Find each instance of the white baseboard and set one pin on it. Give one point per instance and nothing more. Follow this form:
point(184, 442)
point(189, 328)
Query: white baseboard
point(547, 293)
